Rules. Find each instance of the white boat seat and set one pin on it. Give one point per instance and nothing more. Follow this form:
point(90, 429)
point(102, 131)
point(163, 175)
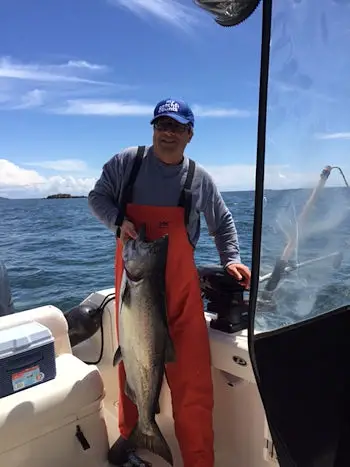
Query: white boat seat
point(47, 415)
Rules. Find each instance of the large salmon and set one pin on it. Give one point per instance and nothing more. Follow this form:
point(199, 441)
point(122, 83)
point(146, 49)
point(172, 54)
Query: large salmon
point(144, 340)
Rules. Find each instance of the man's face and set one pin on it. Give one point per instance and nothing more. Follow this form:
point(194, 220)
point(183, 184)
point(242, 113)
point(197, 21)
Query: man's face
point(171, 136)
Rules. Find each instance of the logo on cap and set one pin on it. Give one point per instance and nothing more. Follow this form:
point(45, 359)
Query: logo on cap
point(169, 106)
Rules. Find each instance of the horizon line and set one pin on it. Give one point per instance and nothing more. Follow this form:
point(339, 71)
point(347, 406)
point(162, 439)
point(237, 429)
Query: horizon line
point(82, 196)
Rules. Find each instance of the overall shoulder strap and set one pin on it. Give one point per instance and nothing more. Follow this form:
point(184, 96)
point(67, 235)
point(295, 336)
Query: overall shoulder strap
point(126, 194)
point(185, 200)
point(134, 171)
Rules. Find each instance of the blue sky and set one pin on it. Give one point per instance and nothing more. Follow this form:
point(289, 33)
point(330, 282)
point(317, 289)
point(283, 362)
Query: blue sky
point(79, 80)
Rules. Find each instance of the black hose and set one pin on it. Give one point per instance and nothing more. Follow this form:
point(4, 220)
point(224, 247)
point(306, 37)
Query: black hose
point(101, 310)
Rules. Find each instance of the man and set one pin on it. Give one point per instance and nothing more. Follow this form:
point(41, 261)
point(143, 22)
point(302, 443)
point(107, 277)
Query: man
point(6, 303)
point(167, 191)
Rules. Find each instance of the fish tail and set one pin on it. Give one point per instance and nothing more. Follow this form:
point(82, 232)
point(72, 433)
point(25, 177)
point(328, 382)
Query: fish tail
point(153, 441)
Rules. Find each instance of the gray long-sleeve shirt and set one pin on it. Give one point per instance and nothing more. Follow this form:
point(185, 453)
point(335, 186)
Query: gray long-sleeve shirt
point(160, 184)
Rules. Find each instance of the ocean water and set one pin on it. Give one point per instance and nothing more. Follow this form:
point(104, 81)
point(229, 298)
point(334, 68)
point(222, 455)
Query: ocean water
point(57, 252)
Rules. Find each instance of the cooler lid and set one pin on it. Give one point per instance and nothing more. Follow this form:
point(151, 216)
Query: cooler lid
point(22, 338)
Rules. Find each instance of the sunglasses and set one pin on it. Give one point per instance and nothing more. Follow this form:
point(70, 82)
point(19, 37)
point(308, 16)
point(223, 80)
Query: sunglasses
point(171, 126)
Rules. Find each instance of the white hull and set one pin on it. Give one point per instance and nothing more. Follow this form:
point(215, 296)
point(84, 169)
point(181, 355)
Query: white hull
point(38, 425)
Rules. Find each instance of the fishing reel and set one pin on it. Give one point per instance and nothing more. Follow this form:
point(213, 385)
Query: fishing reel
point(224, 297)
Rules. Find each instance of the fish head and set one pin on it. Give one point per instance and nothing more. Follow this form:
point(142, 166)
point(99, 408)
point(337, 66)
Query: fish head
point(143, 258)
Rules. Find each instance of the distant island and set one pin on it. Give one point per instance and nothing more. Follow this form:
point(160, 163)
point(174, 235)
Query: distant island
point(63, 195)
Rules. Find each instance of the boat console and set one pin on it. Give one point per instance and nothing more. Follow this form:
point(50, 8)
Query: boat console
point(224, 297)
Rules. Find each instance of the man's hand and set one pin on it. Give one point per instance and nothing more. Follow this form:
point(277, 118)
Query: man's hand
point(127, 230)
point(241, 273)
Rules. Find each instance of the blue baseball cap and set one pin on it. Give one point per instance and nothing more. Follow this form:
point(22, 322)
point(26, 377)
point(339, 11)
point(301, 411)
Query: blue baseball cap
point(175, 109)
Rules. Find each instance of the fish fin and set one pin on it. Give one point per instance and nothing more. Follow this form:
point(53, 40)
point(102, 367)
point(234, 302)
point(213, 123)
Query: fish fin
point(153, 441)
point(169, 350)
point(157, 408)
point(129, 392)
point(117, 356)
point(125, 294)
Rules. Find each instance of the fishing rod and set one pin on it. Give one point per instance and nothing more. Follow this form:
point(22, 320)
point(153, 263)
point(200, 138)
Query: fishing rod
point(282, 265)
point(342, 174)
point(337, 259)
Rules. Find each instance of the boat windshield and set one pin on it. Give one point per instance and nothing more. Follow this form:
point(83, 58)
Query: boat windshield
point(305, 249)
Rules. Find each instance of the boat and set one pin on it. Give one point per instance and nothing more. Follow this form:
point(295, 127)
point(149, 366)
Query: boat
point(281, 392)
point(73, 419)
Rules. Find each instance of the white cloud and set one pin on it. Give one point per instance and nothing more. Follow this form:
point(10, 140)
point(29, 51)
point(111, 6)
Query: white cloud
point(47, 73)
point(201, 111)
point(68, 89)
point(294, 89)
point(330, 136)
point(106, 108)
point(169, 11)
point(76, 179)
point(120, 108)
point(18, 182)
point(68, 184)
point(14, 176)
point(31, 99)
point(26, 86)
point(277, 177)
point(62, 165)
point(84, 64)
